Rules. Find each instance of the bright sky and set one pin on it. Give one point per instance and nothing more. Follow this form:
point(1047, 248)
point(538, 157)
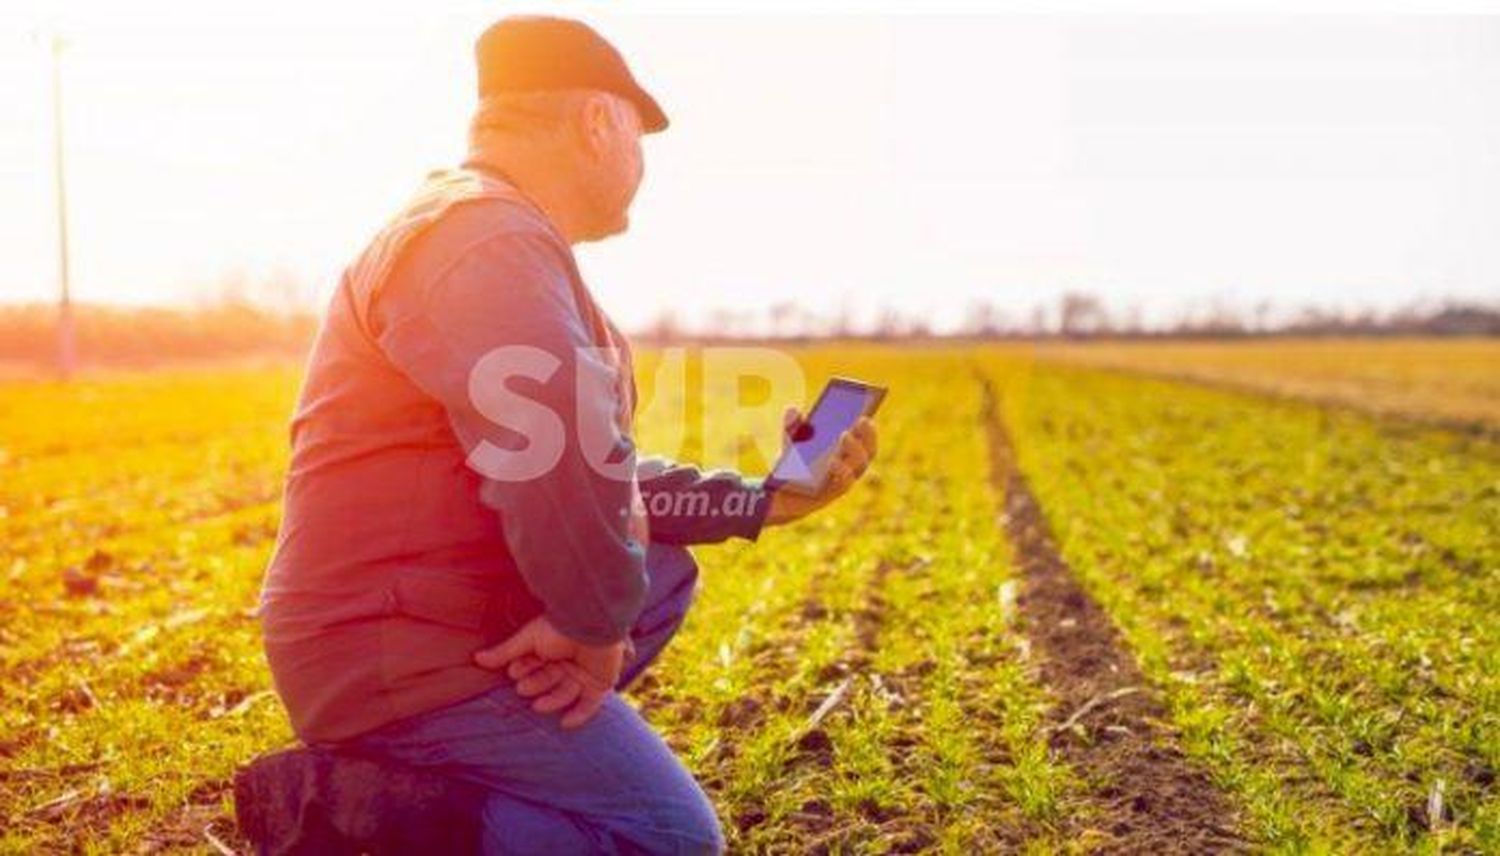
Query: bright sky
point(910, 161)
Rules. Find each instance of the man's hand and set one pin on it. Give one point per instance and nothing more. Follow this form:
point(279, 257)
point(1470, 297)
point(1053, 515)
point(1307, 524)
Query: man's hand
point(558, 670)
point(850, 459)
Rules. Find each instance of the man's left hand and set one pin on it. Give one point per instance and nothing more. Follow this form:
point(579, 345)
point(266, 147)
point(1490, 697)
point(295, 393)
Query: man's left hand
point(559, 672)
point(850, 459)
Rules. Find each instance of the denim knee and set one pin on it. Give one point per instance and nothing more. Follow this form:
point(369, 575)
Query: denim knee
point(691, 826)
point(673, 584)
point(672, 569)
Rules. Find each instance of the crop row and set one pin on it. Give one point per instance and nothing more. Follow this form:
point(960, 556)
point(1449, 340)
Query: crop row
point(1316, 594)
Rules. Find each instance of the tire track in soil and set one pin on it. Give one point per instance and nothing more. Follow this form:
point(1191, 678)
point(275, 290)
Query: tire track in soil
point(1145, 795)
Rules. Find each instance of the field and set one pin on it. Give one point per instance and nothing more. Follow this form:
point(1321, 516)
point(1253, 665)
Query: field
point(1073, 609)
point(1448, 381)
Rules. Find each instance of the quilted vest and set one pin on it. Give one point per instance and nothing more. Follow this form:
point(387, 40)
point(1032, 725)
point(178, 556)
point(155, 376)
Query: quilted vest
point(362, 624)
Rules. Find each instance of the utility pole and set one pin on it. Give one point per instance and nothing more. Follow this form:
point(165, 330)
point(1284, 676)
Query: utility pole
point(66, 356)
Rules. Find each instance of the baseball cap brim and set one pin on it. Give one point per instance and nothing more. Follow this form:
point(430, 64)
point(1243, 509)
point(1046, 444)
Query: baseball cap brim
point(652, 117)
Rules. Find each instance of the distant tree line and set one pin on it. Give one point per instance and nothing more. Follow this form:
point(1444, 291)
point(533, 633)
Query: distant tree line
point(1081, 315)
point(145, 336)
point(232, 327)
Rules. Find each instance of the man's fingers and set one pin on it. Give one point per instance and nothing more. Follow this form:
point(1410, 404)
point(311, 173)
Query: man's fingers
point(847, 461)
point(854, 453)
point(559, 697)
point(541, 680)
point(524, 665)
point(582, 676)
point(864, 432)
point(521, 642)
point(594, 691)
point(584, 709)
point(840, 474)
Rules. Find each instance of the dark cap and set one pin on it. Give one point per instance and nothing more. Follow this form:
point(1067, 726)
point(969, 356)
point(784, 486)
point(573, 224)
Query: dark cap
point(531, 53)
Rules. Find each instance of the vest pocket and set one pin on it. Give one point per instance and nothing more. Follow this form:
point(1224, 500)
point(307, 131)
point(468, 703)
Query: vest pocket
point(428, 638)
point(447, 601)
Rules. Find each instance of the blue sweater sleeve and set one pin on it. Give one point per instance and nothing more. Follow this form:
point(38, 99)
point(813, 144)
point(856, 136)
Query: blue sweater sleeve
point(497, 339)
point(687, 505)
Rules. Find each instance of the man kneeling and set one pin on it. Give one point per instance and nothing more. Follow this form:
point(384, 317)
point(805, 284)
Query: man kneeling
point(468, 567)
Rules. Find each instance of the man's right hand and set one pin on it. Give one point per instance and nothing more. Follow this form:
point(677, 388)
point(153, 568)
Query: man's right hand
point(558, 670)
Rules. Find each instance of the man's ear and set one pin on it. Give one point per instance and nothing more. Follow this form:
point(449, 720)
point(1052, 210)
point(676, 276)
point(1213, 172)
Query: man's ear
point(596, 126)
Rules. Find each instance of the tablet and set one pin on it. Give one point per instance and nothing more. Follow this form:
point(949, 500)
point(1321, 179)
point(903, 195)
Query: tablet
point(803, 466)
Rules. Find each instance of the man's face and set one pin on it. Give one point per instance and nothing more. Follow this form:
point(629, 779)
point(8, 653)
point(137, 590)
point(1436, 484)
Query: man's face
point(614, 166)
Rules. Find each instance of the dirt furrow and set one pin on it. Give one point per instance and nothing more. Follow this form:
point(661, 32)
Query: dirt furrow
point(1109, 724)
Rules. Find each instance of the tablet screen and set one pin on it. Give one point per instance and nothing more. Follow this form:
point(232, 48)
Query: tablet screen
point(806, 459)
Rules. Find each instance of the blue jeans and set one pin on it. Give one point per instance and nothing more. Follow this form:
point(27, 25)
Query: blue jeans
point(611, 785)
